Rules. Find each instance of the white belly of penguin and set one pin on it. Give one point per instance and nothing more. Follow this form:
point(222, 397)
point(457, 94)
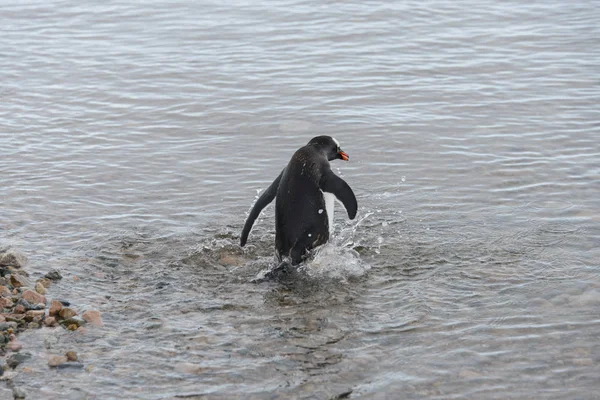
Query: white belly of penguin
point(329, 206)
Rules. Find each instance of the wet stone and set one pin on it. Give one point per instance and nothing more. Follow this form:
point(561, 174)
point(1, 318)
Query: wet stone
point(71, 355)
point(19, 393)
point(40, 288)
point(45, 282)
point(55, 361)
point(17, 280)
point(33, 297)
point(67, 313)
point(5, 302)
point(33, 325)
point(93, 317)
point(14, 346)
point(20, 309)
point(12, 322)
point(17, 358)
point(53, 275)
point(74, 320)
point(4, 291)
point(70, 364)
point(50, 321)
point(55, 307)
point(12, 257)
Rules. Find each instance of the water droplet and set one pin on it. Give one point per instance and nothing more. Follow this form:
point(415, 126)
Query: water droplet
point(384, 224)
point(310, 235)
point(379, 240)
point(320, 211)
point(403, 178)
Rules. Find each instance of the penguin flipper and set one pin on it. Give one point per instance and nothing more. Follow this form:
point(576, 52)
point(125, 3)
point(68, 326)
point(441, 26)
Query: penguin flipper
point(263, 201)
point(331, 183)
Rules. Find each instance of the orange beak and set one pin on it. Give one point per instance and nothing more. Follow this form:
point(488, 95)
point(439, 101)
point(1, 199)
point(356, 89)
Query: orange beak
point(343, 155)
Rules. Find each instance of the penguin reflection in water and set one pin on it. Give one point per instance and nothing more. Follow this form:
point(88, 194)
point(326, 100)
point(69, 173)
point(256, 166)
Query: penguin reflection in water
point(305, 191)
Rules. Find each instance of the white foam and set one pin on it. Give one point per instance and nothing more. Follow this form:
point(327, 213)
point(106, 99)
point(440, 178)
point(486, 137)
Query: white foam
point(332, 261)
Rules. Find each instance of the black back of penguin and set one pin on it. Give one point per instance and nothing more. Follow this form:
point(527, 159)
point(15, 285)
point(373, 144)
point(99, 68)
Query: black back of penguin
point(301, 218)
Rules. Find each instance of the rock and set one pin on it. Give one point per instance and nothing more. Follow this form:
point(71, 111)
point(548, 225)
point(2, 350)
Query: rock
point(55, 361)
point(14, 346)
point(53, 275)
point(13, 258)
point(50, 321)
point(33, 297)
point(93, 317)
point(34, 315)
point(55, 307)
point(72, 327)
point(4, 291)
point(29, 306)
point(19, 309)
point(19, 393)
point(5, 302)
point(71, 355)
point(45, 282)
point(17, 358)
point(40, 288)
point(67, 312)
point(19, 281)
point(2, 318)
point(17, 271)
point(70, 364)
point(4, 326)
point(33, 325)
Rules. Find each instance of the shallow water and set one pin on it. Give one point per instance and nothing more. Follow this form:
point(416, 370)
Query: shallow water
point(135, 137)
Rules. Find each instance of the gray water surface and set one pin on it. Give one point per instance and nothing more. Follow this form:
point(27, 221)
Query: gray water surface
point(135, 137)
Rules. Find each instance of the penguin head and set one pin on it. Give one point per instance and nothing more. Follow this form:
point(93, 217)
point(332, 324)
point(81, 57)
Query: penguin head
point(330, 147)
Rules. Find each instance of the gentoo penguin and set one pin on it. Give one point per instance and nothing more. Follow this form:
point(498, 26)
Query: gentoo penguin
point(305, 191)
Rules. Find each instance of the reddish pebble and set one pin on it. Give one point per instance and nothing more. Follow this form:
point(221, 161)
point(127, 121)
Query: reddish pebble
point(14, 346)
point(4, 291)
point(55, 307)
point(19, 309)
point(6, 302)
point(33, 297)
point(50, 321)
point(93, 317)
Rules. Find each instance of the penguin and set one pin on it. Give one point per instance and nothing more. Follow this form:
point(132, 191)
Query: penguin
point(305, 191)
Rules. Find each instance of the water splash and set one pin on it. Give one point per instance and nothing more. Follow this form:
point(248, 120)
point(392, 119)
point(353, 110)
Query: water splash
point(332, 261)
